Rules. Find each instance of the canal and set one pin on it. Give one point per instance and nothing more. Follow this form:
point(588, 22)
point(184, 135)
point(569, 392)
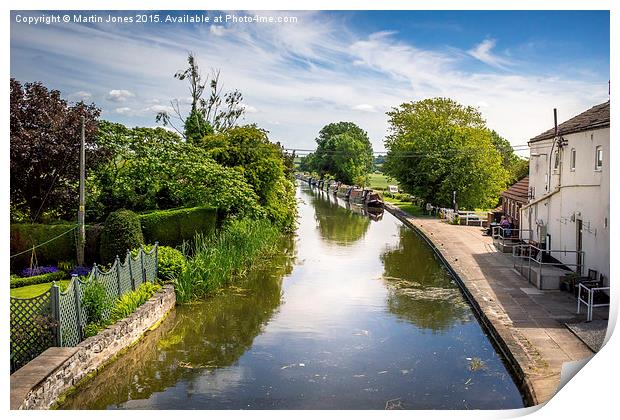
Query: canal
point(354, 313)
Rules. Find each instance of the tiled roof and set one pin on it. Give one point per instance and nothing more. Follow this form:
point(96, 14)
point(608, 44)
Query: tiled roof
point(595, 117)
point(518, 191)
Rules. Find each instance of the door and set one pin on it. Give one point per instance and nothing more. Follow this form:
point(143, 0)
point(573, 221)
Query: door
point(579, 243)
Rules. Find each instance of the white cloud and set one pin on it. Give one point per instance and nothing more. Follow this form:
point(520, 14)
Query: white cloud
point(119, 95)
point(81, 96)
point(483, 53)
point(217, 30)
point(123, 110)
point(365, 108)
point(155, 109)
point(249, 109)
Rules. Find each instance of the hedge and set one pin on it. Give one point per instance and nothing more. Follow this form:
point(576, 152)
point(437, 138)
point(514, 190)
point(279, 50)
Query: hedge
point(43, 278)
point(121, 231)
point(172, 227)
point(25, 235)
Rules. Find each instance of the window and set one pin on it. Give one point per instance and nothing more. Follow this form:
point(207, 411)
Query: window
point(573, 158)
point(556, 163)
point(598, 158)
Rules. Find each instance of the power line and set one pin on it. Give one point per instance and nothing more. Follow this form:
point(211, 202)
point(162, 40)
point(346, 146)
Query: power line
point(44, 243)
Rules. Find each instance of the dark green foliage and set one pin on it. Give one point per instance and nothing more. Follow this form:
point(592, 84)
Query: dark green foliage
point(25, 236)
point(172, 227)
point(94, 301)
point(196, 127)
point(43, 278)
point(121, 231)
point(344, 151)
point(216, 259)
point(516, 166)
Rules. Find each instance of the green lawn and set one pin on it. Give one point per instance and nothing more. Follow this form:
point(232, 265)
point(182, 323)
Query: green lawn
point(36, 289)
point(379, 181)
point(407, 206)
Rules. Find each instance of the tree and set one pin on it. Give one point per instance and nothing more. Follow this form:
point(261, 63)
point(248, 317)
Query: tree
point(262, 163)
point(516, 166)
point(45, 147)
point(437, 146)
point(218, 112)
point(344, 151)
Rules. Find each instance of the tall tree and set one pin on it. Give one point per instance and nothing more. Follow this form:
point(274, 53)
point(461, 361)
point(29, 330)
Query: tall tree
point(516, 166)
point(218, 112)
point(45, 147)
point(344, 151)
point(437, 147)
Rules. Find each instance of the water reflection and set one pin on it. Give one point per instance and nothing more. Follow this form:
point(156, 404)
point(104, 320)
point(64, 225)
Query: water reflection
point(193, 341)
point(336, 223)
point(420, 289)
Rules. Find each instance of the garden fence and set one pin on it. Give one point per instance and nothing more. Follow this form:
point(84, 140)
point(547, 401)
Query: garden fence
point(56, 318)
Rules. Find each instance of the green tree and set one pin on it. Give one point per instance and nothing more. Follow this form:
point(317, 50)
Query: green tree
point(437, 146)
point(344, 151)
point(516, 166)
point(196, 127)
point(263, 164)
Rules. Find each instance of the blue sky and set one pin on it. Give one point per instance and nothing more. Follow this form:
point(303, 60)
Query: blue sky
point(515, 66)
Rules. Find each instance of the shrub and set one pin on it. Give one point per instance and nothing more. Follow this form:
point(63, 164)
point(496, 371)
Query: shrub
point(170, 262)
point(43, 278)
point(129, 302)
point(37, 271)
point(121, 231)
point(94, 301)
point(172, 227)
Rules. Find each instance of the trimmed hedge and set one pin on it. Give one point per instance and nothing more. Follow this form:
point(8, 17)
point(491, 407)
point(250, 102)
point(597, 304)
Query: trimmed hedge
point(121, 231)
point(43, 278)
point(172, 227)
point(25, 235)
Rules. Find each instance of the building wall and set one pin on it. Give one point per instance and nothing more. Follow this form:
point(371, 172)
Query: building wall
point(582, 193)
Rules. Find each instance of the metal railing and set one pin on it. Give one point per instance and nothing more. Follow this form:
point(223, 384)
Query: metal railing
point(463, 216)
point(531, 257)
point(589, 300)
point(507, 237)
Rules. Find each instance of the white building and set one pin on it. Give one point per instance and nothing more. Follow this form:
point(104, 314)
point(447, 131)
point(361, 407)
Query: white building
point(568, 207)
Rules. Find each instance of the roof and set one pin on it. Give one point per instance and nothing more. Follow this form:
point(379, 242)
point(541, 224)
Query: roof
point(518, 191)
point(595, 117)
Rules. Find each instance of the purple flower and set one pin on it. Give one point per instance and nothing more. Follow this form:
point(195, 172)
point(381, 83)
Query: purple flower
point(37, 271)
point(81, 271)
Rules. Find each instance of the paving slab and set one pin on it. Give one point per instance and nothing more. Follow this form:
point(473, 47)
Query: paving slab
point(529, 323)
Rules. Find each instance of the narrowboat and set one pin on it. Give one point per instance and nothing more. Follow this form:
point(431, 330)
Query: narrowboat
point(373, 199)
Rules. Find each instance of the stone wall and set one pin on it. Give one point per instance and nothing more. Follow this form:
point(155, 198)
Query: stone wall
point(40, 383)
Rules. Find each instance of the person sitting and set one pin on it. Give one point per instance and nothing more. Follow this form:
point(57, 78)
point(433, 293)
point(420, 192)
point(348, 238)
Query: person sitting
point(504, 225)
point(511, 227)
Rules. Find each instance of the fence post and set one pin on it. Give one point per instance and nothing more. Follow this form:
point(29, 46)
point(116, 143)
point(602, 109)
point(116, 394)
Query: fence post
point(156, 260)
point(133, 283)
point(118, 276)
point(55, 307)
point(78, 305)
point(142, 269)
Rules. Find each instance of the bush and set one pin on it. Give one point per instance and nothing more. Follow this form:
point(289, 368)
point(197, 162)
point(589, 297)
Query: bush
point(172, 227)
point(121, 231)
point(37, 271)
point(94, 301)
point(170, 262)
point(43, 278)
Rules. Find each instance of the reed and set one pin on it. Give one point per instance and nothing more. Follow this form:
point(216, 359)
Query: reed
point(217, 259)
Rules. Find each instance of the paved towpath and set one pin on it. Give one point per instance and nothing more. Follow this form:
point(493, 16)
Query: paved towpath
point(527, 322)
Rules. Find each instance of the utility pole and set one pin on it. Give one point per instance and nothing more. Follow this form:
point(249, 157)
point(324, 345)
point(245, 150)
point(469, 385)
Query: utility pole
point(81, 210)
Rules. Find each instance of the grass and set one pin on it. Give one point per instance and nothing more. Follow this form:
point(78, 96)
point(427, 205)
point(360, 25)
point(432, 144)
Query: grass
point(379, 181)
point(36, 289)
point(407, 206)
point(217, 259)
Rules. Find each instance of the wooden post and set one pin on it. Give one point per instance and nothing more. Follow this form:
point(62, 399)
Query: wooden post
point(133, 282)
point(118, 276)
point(82, 205)
point(78, 306)
point(55, 307)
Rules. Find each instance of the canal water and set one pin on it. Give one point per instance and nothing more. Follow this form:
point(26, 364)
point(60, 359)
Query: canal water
point(356, 312)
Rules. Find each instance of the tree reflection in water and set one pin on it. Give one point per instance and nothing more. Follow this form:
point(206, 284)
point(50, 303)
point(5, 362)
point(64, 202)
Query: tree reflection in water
point(336, 223)
point(419, 289)
point(193, 339)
